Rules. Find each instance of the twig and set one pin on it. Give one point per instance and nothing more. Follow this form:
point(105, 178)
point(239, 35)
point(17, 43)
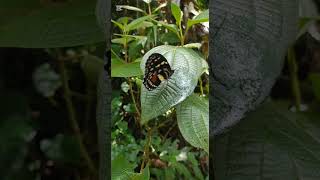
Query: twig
point(72, 115)
point(146, 150)
point(133, 98)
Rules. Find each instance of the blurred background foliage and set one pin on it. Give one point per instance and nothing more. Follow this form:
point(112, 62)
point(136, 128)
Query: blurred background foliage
point(50, 58)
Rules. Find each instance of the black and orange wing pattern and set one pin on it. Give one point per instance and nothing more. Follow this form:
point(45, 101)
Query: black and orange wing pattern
point(157, 69)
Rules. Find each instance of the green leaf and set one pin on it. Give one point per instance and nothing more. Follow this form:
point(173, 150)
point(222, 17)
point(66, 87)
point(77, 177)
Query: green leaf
point(137, 23)
point(121, 26)
point(187, 66)
point(170, 27)
point(270, 143)
point(315, 80)
point(120, 68)
point(35, 24)
point(182, 169)
point(200, 18)
point(170, 38)
point(132, 8)
point(177, 13)
point(145, 175)
point(122, 169)
point(159, 7)
point(193, 121)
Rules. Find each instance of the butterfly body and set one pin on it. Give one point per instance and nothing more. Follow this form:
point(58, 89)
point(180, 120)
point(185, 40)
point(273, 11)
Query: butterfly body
point(157, 69)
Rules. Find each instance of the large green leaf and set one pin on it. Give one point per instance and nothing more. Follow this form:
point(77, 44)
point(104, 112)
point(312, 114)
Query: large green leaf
point(41, 24)
point(193, 121)
point(187, 66)
point(120, 68)
point(121, 169)
point(271, 143)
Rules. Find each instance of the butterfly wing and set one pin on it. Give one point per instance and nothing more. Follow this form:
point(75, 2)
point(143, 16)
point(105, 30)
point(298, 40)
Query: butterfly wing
point(157, 69)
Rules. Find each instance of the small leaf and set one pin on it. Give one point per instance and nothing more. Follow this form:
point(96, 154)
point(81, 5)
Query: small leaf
point(120, 68)
point(135, 24)
point(159, 7)
point(129, 108)
point(170, 27)
point(132, 8)
point(193, 121)
point(118, 24)
point(200, 18)
point(177, 13)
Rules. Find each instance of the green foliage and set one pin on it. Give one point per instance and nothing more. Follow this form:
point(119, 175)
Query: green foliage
point(271, 142)
point(38, 25)
point(122, 169)
point(193, 121)
point(120, 68)
point(136, 137)
point(16, 131)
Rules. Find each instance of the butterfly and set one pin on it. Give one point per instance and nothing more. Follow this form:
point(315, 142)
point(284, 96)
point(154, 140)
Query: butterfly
point(157, 69)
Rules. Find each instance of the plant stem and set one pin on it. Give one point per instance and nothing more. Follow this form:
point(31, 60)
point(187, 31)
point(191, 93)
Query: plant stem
point(149, 8)
point(146, 150)
point(294, 78)
point(72, 116)
point(181, 35)
point(133, 98)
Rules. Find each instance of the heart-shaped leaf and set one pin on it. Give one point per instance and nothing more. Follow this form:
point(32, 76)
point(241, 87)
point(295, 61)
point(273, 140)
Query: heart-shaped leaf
point(187, 66)
point(193, 121)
